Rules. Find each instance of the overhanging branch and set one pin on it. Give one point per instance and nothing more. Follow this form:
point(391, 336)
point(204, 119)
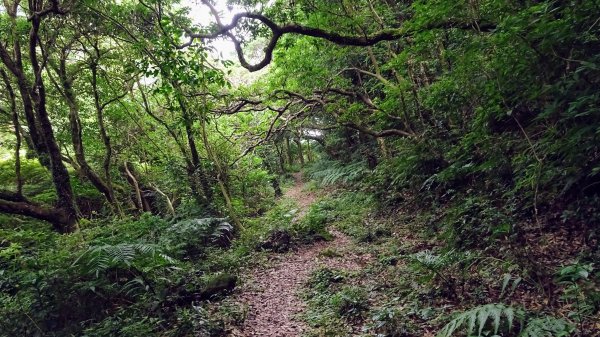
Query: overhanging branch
point(277, 31)
point(13, 203)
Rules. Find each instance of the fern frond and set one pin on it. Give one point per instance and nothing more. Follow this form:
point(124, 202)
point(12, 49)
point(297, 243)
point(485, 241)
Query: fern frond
point(547, 326)
point(433, 262)
point(482, 317)
point(214, 228)
point(506, 281)
point(332, 172)
point(191, 237)
point(98, 259)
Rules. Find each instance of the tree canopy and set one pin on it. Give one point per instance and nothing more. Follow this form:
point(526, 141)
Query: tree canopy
point(121, 116)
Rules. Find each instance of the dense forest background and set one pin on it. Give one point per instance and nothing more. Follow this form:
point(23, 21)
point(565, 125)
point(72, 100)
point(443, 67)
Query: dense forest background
point(455, 142)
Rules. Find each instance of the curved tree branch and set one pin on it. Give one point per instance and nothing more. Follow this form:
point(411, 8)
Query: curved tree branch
point(13, 203)
point(277, 31)
point(379, 134)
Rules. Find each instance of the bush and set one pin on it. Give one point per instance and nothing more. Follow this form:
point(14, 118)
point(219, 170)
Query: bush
point(474, 222)
point(350, 302)
point(312, 227)
point(189, 238)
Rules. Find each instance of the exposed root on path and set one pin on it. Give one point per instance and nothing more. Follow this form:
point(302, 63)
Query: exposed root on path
point(272, 294)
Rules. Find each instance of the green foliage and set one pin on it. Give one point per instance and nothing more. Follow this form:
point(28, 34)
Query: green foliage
point(111, 284)
point(410, 168)
point(575, 272)
point(391, 321)
point(350, 302)
point(333, 303)
point(197, 321)
point(476, 221)
point(500, 319)
point(480, 121)
point(189, 238)
point(347, 212)
point(580, 281)
point(483, 319)
point(313, 226)
point(32, 172)
point(435, 264)
point(322, 278)
point(547, 326)
point(446, 273)
point(332, 172)
point(122, 323)
point(97, 260)
point(509, 280)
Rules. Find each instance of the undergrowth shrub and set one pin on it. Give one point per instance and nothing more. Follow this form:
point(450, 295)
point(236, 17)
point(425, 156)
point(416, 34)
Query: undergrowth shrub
point(476, 222)
point(146, 228)
point(390, 321)
point(124, 322)
point(444, 273)
point(197, 321)
point(97, 260)
point(408, 169)
point(579, 283)
point(348, 212)
point(189, 238)
point(116, 278)
point(350, 302)
point(500, 319)
point(489, 317)
point(333, 302)
point(329, 172)
point(312, 227)
point(322, 278)
point(547, 326)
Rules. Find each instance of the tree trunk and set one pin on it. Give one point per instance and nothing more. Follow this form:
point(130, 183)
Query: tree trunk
point(16, 68)
point(167, 199)
point(140, 202)
point(60, 175)
point(199, 175)
point(193, 180)
point(17, 126)
point(77, 134)
point(62, 221)
point(33, 96)
point(288, 151)
point(221, 177)
point(371, 156)
point(298, 142)
point(274, 178)
point(281, 159)
point(383, 148)
point(103, 134)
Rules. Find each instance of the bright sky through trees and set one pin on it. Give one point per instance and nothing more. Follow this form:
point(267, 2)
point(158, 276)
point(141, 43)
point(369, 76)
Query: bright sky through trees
point(201, 15)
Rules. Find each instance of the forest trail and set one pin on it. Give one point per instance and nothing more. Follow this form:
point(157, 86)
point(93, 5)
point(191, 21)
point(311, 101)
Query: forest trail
point(272, 295)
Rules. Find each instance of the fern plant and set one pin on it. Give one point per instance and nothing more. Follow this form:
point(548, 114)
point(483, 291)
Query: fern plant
point(547, 326)
point(437, 264)
point(433, 262)
point(98, 259)
point(133, 263)
point(506, 280)
point(495, 318)
point(191, 237)
point(476, 320)
point(332, 172)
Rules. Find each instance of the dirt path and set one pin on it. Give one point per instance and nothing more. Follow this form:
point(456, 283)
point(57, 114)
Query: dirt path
point(272, 295)
point(300, 196)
